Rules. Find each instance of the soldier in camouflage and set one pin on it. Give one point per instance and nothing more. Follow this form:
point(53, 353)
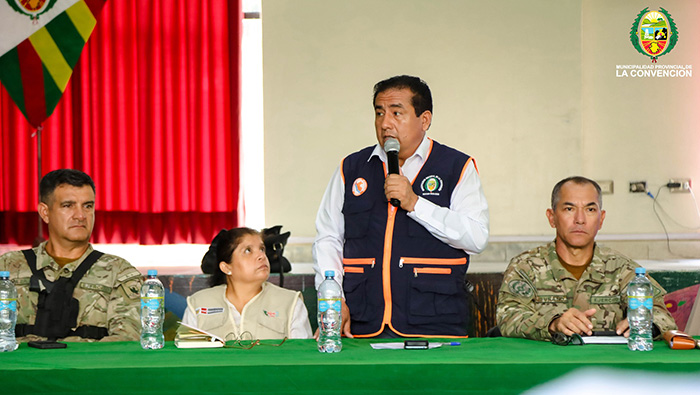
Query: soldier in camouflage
point(108, 293)
point(572, 285)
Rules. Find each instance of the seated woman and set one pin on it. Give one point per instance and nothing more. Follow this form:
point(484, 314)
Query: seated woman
point(241, 300)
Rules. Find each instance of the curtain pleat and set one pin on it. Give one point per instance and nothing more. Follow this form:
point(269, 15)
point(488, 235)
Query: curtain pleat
point(152, 114)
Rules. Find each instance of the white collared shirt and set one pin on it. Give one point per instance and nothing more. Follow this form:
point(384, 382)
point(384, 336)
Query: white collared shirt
point(463, 225)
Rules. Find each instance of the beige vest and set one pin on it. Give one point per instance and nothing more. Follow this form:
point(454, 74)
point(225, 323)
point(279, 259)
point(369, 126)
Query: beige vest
point(267, 316)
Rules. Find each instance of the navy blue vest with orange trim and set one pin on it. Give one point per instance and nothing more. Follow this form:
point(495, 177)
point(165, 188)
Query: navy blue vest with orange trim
point(396, 272)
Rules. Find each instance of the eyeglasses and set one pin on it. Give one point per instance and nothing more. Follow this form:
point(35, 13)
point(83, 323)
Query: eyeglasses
point(246, 341)
point(561, 339)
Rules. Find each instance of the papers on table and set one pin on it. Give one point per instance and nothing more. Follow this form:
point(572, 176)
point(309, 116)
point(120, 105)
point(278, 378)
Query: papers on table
point(399, 345)
point(191, 337)
point(604, 339)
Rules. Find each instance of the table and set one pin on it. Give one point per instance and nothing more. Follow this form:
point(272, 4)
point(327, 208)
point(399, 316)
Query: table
point(479, 365)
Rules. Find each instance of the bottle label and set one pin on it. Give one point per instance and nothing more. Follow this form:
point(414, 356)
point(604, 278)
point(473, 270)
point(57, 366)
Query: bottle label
point(325, 304)
point(645, 301)
point(151, 303)
point(8, 304)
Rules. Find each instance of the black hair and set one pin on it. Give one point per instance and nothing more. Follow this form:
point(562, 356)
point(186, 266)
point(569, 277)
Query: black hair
point(422, 100)
point(556, 192)
point(56, 178)
point(224, 244)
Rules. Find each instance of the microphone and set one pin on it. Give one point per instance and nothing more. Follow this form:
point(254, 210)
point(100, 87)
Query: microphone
point(391, 147)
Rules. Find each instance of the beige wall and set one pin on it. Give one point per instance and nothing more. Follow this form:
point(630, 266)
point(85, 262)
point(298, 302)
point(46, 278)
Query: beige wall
point(640, 128)
point(526, 87)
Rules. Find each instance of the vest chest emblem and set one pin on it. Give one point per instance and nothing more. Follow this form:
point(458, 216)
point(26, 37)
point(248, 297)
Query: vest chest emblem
point(271, 314)
point(431, 185)
point(359, 186)
point(210, 310)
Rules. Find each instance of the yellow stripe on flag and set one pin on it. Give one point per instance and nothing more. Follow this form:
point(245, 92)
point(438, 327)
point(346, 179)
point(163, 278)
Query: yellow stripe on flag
point(82, 18)
point(51, 57)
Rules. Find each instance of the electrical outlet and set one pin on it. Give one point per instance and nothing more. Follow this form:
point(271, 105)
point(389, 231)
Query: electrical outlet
point(679, 185)
point(606, 187)
point(638, 187)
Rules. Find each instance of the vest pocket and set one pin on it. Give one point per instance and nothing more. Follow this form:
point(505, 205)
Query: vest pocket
point(356, 265)
point(434, 300)
point(355, 288)
point(274, 325)
point(431, 261)
point(357, 216)
point(431, 270)
point(93, 300)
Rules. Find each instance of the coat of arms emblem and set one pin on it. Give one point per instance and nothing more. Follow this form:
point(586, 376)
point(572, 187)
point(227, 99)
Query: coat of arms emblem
point(31, 8)
point(654, 33)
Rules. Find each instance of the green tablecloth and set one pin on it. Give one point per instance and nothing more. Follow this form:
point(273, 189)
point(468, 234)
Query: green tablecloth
point(479, 365)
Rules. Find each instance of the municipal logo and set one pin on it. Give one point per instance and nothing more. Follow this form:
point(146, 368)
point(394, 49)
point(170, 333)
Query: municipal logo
point(359, 186)
point(654, 33)
point(32, 9)
point(271, 314)
point(431, 185)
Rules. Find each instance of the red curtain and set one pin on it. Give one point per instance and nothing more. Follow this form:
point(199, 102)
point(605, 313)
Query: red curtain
point(152, 114)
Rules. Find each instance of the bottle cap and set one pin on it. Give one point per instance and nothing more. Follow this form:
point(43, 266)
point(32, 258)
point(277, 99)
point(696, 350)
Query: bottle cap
point(330, 273)
point(153, 272)
point(640, 270)
point(5, 274)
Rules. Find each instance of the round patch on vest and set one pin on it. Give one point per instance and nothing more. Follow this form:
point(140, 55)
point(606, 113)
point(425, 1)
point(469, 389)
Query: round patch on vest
point(359, 186)
point(431, 185)
point(521, 288)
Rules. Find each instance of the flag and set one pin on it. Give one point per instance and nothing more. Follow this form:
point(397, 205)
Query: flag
point(40, 44)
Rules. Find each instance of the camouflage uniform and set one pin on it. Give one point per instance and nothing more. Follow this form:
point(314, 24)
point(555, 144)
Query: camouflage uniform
point(537, 289)
point(108, 294)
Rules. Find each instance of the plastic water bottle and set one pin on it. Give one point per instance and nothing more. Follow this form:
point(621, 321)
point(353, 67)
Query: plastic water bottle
point(329, 315)
point(640, 305)
point(152, 312)
point(8, 313)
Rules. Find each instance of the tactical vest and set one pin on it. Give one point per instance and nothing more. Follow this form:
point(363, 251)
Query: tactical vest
point(57, 309)
point(396, 273)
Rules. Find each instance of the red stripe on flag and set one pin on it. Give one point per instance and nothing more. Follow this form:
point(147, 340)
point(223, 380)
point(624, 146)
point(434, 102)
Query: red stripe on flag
point(32, 83)
point(95, 6)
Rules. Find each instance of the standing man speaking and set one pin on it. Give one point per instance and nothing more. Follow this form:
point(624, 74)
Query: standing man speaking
point(400, 243)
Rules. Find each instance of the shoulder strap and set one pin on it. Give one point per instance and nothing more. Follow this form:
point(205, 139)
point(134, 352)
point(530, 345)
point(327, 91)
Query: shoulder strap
point(85, 266)
point(30, 255)
point(37, 275)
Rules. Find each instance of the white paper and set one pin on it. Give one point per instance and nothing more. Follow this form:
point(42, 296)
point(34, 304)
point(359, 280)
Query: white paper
point(213, 336)
point(399, 346)
point(604, 339)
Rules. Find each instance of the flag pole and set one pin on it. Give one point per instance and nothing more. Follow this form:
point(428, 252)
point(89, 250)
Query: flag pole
point(40, 235)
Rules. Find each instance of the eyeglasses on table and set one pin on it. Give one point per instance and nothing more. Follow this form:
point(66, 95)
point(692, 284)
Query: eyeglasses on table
point(246, 341)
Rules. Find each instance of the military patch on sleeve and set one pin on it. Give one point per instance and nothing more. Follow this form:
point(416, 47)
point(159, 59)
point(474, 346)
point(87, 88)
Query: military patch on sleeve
point(132, 288)
point(521, 288)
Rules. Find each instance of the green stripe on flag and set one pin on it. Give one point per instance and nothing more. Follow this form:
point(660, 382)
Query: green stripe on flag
point(11, 77)
point(51, 57)
point(52, 92)
point(67, 38)
point(82, 18)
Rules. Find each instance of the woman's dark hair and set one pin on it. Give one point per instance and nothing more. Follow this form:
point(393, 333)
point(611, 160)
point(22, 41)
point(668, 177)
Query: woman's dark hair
point(224, 244)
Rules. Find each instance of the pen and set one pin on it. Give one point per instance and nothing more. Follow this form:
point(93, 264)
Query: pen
point(452, 344)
